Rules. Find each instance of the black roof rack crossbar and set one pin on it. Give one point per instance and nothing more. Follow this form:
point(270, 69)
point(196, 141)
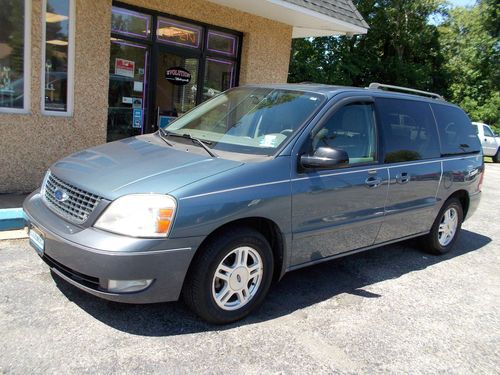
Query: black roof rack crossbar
point(381, 86)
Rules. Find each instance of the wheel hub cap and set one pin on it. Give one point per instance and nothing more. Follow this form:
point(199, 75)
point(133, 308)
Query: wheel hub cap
point(239, 278)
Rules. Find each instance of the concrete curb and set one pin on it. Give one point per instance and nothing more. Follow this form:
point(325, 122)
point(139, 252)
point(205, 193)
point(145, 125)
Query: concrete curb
point(13, 234)
point(12, 219)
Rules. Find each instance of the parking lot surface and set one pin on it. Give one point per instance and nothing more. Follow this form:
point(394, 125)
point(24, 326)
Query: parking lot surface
point(394, 309)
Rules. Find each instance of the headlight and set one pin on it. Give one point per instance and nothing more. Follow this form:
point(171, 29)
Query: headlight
point(139, 215)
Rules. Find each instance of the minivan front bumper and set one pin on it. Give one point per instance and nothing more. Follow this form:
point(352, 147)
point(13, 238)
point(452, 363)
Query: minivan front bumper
point(89, 258)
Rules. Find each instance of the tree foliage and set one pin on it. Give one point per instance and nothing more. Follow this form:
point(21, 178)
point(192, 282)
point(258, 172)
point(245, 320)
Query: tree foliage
point(469, 40)
point(403, 48)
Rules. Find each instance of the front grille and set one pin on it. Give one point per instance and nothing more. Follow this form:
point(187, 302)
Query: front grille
point(77, 205)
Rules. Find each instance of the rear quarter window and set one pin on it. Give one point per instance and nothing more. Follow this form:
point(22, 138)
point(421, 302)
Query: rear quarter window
point(408, 129)
point(456, 132)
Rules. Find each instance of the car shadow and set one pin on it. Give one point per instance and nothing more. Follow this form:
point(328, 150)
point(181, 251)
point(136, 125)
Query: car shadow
point(298, 289)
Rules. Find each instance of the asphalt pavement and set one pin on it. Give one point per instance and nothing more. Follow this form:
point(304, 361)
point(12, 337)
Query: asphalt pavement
point(389, 310)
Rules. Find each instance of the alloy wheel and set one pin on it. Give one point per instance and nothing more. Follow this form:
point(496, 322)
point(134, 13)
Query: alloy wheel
point(448, 226)
point(237, 278)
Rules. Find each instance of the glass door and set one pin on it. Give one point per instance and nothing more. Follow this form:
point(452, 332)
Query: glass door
point(176, 85)
point(127, 89)
point(162, 66)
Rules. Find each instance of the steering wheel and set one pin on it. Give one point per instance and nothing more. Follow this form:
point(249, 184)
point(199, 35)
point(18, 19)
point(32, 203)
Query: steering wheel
point(286, 132)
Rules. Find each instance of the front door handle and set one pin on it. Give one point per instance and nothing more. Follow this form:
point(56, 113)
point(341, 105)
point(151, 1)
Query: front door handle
point(373, 181)
point(403, 178)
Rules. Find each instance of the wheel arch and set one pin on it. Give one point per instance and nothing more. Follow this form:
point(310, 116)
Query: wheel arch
point(463, 197)
point(267, 227)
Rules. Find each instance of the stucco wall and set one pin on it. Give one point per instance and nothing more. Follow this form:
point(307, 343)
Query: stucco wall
point(30, 143)
point(266, 44)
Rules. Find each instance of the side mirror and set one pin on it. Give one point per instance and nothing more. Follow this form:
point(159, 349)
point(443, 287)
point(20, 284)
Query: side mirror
point(325, 158)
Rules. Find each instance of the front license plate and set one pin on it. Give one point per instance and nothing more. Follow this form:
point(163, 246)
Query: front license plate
point(37, 240)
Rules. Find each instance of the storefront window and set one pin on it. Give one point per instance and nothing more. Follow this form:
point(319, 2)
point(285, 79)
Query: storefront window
point(179, 33)
point(58, 62)
point(219, 76)
point(222, 43)
point(127, 88)
point(14, 89)
point(130, 23)
point(176, 86)
point(161, 67)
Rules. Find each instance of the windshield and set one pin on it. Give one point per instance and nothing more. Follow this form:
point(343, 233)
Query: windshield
point(248, 119)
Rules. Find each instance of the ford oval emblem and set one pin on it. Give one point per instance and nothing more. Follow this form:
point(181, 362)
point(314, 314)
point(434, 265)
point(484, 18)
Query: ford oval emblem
point(61, 195)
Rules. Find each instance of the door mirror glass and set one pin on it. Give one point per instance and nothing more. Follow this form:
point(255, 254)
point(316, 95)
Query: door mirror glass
point(325, 158)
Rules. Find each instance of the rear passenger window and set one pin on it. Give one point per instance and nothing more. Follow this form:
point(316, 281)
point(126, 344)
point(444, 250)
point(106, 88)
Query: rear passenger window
point(409, 130)
point(352, 129)
point(456, 132)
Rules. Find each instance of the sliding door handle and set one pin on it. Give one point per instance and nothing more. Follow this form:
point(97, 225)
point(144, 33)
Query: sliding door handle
point(373, 182)
point(403, 178)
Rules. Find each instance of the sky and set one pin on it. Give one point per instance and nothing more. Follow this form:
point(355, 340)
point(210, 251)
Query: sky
point(459, 3)
point(437, 19)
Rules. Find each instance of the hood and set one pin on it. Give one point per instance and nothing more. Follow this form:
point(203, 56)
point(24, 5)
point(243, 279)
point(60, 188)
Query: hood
point(143, 164)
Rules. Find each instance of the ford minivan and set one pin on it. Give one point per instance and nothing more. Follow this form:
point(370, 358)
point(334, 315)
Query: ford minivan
point(256, 182)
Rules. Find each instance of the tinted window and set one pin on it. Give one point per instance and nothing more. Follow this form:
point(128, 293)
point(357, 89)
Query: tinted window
point(219, 76)
point(488, 132)
point(352, 129)
point(409, 130)
point(456, 132)
point(130, 23)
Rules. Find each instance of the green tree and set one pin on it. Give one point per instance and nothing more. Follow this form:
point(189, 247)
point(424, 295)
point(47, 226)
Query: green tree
point(470, 43)
point(401, 48)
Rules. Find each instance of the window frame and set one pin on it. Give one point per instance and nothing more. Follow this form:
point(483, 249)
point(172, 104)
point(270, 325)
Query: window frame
point(70, 90)
point(335, 107)
point(26, 65)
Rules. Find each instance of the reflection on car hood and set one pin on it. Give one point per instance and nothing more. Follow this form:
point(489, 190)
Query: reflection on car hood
point(142, 164)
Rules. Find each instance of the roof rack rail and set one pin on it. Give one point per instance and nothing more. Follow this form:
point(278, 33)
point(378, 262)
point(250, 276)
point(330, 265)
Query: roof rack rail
point(381, 86)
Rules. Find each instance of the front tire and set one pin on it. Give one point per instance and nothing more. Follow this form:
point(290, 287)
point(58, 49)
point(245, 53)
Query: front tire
point(446, 227)
point(231, 276)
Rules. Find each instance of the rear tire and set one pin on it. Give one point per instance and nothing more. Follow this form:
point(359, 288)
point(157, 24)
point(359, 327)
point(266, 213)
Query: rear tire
point(231, 276)
point(496, 157)
point(445, 230)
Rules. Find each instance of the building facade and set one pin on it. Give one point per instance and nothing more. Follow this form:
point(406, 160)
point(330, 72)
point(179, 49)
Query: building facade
point(76, 73)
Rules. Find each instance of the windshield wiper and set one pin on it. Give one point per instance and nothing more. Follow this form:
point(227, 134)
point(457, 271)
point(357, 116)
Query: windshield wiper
point(163, 136)
point(194, 140)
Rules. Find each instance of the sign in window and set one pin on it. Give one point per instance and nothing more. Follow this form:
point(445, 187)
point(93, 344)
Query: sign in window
point(179, 33)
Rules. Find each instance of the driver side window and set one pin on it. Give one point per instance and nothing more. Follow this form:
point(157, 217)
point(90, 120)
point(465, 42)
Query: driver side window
point(352, 129)
point(488, 132)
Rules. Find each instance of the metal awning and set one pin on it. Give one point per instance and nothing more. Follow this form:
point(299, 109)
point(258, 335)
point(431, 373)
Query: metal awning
point(308, 17)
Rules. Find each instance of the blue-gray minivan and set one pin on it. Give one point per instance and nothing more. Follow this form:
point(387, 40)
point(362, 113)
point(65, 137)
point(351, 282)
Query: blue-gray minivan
point(256, 182)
